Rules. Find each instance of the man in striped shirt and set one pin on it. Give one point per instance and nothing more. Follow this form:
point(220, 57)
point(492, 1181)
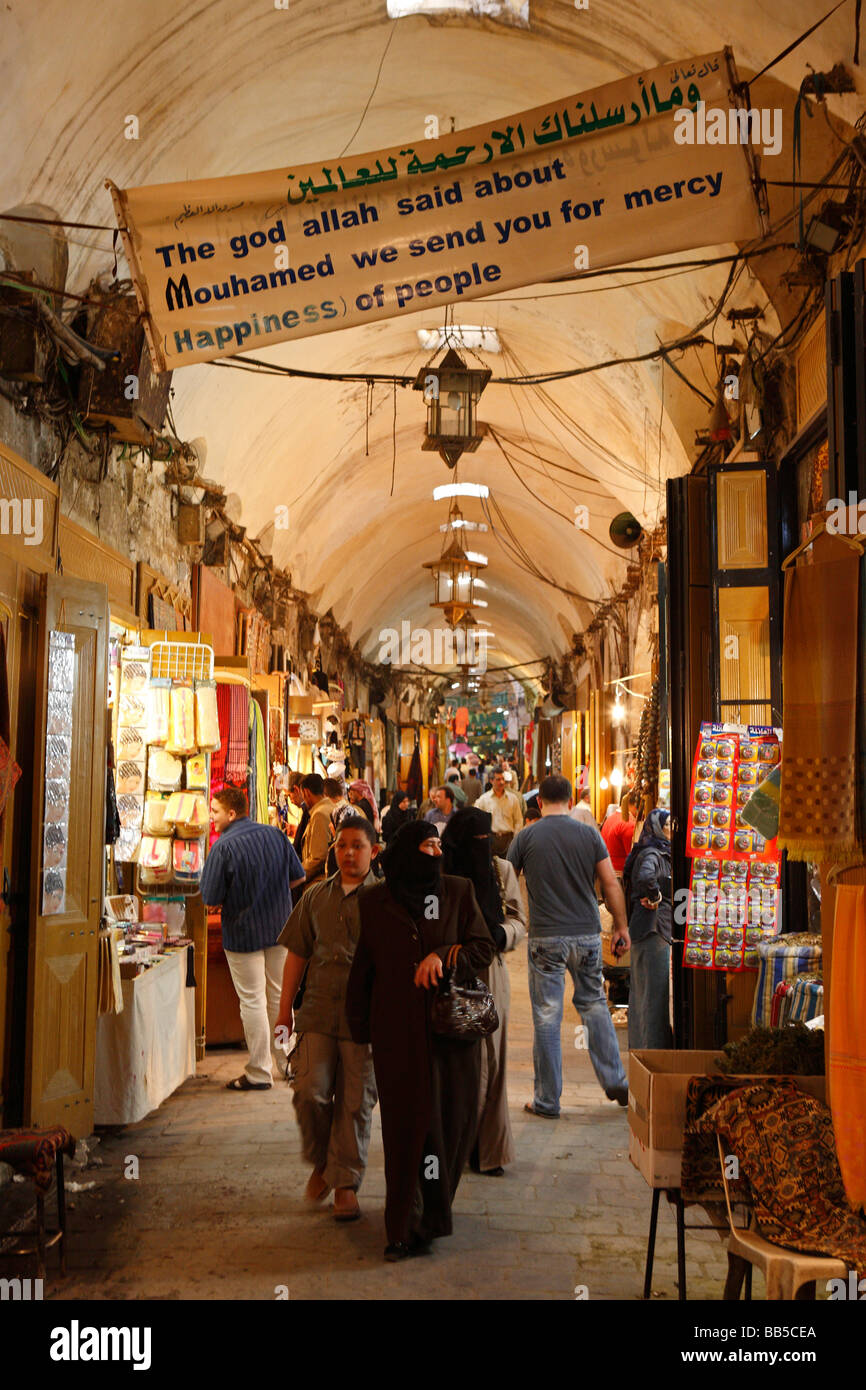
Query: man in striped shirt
point(250, 873)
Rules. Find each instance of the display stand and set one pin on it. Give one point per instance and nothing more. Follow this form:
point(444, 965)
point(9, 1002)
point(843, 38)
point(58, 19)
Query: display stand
point(147, 1050)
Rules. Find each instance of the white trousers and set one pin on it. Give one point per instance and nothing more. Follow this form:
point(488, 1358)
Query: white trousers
point(258, 980)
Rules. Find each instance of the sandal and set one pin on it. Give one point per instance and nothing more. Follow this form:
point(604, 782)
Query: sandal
point(242, 1083)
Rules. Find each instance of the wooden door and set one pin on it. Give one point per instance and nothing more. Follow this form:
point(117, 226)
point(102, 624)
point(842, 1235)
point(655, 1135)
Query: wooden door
point(61, 1009)
point(8, 608)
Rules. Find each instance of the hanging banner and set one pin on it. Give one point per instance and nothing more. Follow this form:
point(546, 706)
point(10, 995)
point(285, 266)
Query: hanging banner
point(637, 168)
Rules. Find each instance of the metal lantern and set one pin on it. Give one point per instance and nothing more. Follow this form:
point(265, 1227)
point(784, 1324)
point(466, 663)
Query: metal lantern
point(451, 391)
point(454, 576)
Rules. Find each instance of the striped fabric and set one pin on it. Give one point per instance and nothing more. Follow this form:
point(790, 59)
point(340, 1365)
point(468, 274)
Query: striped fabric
point(247, 873)
point(238, 752)
point(218, 758)
point(782, 958)
point(807, 997)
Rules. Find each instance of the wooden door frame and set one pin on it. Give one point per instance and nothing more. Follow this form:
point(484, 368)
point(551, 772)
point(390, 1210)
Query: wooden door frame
point(75, 1114)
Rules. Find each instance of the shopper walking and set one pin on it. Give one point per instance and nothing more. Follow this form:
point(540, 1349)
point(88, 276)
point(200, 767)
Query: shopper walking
point(442, 809)
point(647, 879)
point(362, 798)
point(467, 852)
point(506, 811)
point(582, 809)
point(617, 831)
point(317, 837)
point(428, 1084)
point(333, 1086)
point(472, 786)
point(398, 814)
point(250, 873)
point(560, 859)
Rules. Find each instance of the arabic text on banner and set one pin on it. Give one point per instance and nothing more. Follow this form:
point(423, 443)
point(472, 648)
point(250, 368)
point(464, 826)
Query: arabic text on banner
point(233, 265)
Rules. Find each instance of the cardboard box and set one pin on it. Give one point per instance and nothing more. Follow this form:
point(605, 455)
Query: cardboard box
point(657, 1167)
point(657, 1106)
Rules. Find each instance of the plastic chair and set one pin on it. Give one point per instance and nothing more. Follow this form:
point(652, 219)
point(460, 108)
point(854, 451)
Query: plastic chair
point(789, 1275)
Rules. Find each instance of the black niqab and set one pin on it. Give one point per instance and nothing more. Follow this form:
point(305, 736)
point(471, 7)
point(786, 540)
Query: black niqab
point(467, 851)
point(412, 876)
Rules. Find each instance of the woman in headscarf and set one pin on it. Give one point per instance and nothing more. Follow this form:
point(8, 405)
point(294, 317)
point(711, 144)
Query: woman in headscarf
point(397, 815)
point(467, 851)
point(361, 795)
point(428, 1084)
point(647, 881)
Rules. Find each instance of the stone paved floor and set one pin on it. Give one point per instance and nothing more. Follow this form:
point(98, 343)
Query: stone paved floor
point(216, 1210)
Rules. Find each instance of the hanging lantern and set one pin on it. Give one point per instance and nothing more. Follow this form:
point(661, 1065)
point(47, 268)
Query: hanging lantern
point(454, 576)
point(451, 391)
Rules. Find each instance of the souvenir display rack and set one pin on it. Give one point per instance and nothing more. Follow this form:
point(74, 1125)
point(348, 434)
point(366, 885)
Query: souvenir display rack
point(167, 727)
point(734, 897)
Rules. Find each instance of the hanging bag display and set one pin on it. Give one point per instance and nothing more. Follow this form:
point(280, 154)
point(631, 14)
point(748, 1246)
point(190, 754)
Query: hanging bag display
point(188, 859)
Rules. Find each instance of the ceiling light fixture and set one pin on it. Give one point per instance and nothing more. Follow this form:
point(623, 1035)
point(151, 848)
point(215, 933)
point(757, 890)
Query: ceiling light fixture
point(460, 490)
point(451, 391)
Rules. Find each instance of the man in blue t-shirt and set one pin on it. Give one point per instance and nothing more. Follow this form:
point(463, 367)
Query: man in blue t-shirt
point(560, 859)
point(250, 873)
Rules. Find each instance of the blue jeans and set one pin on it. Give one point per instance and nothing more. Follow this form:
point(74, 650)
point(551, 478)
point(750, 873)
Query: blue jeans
point(549, 958)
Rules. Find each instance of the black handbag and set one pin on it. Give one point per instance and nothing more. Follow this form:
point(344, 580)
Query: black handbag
point(464, 1012)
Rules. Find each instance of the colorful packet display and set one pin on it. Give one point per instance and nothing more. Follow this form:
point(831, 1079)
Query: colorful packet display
point(733, 896)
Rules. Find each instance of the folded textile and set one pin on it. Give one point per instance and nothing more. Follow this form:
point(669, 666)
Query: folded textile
point(784, 1142)
point(782, 958)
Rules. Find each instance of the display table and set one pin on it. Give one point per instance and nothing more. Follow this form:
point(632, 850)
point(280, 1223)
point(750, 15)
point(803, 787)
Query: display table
point(145, 1052)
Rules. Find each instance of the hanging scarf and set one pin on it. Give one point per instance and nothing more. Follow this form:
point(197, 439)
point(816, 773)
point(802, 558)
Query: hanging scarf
point(366, 792)
point(467, 852)
point(412, 877)
point(819, 792)
point(415, 780)
point(238, 752)
point(218, 758)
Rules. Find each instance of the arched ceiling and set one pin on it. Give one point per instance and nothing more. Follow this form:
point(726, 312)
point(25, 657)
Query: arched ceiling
point(221, 88)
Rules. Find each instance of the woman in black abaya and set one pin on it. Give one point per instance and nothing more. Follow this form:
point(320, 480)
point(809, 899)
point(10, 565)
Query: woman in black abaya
point(467, 851)
point(428, 1085)
point(397, 815)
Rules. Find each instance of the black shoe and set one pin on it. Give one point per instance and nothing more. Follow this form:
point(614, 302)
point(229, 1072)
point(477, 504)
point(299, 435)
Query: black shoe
point(618, 1093)
point(497, 1172)
point(398, 1251)
point(404, 1250)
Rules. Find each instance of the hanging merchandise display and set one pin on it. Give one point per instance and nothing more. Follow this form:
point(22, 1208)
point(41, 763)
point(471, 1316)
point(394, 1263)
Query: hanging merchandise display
point(166, 701)
point(356, 739)
point(647, 759)
point(733, 900)
point(58, 770)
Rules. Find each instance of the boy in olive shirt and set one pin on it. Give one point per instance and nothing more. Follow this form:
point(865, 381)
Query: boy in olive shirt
point(333, 1082)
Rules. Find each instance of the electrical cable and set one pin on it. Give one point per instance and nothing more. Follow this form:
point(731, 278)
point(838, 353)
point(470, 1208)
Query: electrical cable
point(373, 91)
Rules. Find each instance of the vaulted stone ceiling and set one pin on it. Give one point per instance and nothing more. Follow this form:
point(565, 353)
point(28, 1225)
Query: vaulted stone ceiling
point(221, 88)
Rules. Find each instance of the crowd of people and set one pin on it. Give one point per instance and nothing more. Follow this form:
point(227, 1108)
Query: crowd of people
point(341, 939)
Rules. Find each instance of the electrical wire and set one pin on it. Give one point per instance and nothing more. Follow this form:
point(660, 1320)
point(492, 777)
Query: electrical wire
point(372, 92)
